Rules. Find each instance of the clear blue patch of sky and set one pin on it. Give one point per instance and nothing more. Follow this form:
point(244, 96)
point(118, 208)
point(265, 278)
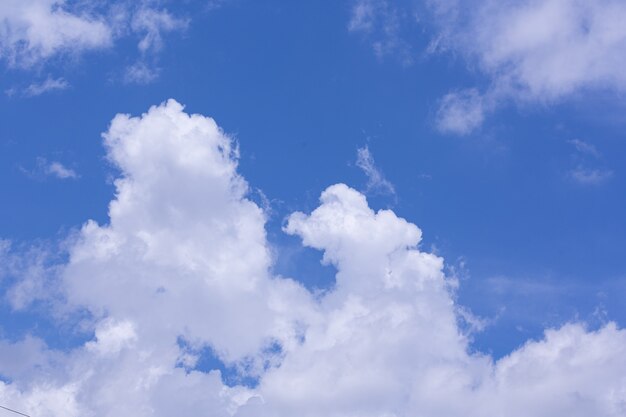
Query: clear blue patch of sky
point(232, 374)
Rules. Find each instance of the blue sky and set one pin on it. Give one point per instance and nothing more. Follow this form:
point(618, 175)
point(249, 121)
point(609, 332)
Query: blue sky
point(501, 138)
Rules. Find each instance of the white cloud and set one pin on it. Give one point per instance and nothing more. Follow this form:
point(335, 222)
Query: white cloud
point(49, 84)
point(45, 168)
point(585, 148)
point(140, 73)
point(201, 231)
point(590, 176)
point(364, 15)
point(54, 169)
point(152, 23)
point(33, 32)
point(587, 171)
point(538, 51)
point(376, 181)
point(461, 112)
point(531, 51)
point(380, 22)
point(60, 171)
point(184, 255)
point(215, 4)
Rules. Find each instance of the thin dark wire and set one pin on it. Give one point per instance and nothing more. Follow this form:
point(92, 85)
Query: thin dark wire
point(13, 411)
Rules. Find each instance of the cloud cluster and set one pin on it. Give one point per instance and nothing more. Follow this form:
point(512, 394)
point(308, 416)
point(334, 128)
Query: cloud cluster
point(183, 266)
point(376, 181)
point(588, 169)
point(49, 84)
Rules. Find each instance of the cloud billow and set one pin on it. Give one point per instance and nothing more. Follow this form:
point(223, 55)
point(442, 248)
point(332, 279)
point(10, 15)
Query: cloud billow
point(185, 256)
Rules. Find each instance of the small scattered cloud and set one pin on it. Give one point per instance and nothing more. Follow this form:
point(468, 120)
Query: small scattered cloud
point(585, 148)
point(58, 170)
point(380, 21)
point(364, 15)
point(529, 51)
point(586, 159)
point(376, 181)
point(140, 73)
point(55, 169)
point(152, 24)
point(461, 112)
point(49, 84)
point(34, 89)
point(590, 176)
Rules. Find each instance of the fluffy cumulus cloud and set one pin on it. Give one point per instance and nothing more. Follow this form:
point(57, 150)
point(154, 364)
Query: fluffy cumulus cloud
point(183, 266)
point(33, 32)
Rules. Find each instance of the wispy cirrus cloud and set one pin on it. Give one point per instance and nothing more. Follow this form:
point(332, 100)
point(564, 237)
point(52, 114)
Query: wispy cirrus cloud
point(380, 23)
point(588, 168)
point(49, 84)
point(376, 181)
point(590, 176)
point(140, 73)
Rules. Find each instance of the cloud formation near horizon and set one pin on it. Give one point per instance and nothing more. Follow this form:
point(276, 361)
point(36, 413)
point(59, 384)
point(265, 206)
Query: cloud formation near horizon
point(183, 265)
